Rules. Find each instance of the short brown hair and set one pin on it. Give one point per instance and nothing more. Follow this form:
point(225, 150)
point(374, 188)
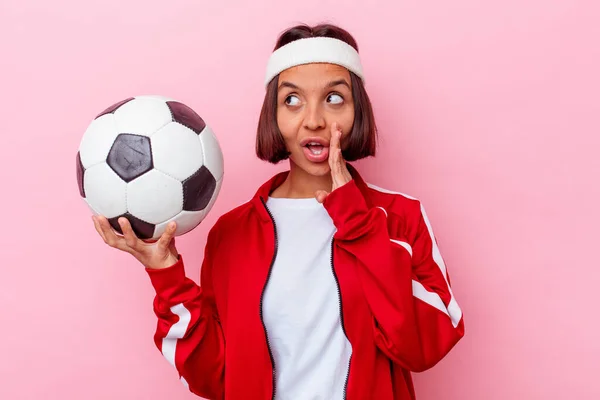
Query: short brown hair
point(362, 140)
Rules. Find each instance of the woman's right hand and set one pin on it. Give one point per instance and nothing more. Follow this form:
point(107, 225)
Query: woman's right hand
point(158, 254)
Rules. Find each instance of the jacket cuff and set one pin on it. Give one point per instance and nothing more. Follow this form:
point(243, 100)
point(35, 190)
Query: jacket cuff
point(344, 203)
point(167, 278)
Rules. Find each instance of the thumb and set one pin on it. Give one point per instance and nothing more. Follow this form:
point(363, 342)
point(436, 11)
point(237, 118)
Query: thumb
point(172, 247)
point(166, 238)
point(320, 195)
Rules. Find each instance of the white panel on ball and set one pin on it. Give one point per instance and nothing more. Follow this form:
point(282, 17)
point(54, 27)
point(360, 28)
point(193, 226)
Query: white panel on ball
point(176, 151)
point(213, 157)
point(91, 208)
point(97, 140)
point(154, 197)
point(155, 97)
point(105, 191)
point(186, 221)
point(142, 116)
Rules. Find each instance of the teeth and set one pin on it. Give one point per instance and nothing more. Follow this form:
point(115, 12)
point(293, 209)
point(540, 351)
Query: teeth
point(315, 148)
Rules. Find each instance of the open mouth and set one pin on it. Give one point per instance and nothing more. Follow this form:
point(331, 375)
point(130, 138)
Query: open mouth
point(315, 148)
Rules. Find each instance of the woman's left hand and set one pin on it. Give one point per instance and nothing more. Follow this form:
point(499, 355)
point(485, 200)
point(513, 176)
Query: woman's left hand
point(339, 172)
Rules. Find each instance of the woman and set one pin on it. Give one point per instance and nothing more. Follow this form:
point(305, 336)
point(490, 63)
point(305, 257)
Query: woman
point(321, 286)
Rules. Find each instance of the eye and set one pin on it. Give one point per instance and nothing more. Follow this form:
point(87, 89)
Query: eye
point(292, 100)
point(335, 98)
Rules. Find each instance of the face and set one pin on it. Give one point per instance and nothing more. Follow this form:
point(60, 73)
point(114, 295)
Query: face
point(310, 99)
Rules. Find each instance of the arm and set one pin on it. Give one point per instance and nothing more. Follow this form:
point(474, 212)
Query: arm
point(188, 332)
point(416, 320)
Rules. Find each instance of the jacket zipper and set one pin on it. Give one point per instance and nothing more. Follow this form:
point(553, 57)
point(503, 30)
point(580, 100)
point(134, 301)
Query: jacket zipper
point(263, 294)
point(337, 282)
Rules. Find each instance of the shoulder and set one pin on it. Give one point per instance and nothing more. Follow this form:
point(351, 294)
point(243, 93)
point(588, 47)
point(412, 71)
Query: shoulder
point(394, 202)
point(234, 214)
point(403, 211)
point(232, 219)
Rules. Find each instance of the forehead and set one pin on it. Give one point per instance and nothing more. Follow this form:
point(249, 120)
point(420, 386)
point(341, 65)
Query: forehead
point(314, 75)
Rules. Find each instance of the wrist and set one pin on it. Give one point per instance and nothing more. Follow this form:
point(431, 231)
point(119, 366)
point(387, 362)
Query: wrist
point(170, 261)
point(165, 280)
point(347, 207)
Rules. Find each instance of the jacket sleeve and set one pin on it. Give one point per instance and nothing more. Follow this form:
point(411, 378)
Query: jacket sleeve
point(416, 320)
point(188, 332)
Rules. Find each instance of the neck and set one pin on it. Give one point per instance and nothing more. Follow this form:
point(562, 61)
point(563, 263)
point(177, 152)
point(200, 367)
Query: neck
point(300, 184)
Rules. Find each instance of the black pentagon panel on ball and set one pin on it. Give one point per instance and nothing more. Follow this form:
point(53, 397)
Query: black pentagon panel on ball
point(130, 156)
point(142, 229)
point(186, 116)
point(80, 172)
point(198, 190)
point(114, 107)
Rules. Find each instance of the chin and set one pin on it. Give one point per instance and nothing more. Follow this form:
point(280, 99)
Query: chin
point(318, 170)
point(314, 169)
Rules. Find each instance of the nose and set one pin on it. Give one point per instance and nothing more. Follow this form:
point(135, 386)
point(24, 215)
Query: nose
point(314, 118)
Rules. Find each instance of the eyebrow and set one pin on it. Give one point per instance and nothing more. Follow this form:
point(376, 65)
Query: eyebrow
point(286, 84)
point(338, 82)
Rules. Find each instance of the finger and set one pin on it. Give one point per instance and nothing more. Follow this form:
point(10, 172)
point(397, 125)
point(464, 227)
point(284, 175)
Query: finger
point(167, 236)
point(320, 195)
point(334, 142)
point(342, 162)
point(105, 229)
point(130, 237)
point(338, 165)
point(111, 238)
point(172, 247)
point(332, 147)
point(98, 229)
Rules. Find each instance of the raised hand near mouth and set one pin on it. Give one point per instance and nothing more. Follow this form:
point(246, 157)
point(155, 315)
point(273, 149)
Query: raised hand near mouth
point(339, 172)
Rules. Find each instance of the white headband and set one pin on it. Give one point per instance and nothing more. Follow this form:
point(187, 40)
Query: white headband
point(313, 50)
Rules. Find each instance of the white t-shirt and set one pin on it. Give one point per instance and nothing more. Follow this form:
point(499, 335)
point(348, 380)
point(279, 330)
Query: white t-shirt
point(301, 307)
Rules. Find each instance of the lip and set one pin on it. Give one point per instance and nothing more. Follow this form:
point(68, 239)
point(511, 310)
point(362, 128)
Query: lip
point(315, 158)
point(323, 142)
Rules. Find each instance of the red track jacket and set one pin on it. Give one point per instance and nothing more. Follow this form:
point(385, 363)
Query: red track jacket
point(396, 303)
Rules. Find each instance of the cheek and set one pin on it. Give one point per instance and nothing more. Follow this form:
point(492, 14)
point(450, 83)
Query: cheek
point(346, 122)
point(287, 124)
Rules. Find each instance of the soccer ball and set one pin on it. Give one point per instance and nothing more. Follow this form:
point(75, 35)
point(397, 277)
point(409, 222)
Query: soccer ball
point(152, 160)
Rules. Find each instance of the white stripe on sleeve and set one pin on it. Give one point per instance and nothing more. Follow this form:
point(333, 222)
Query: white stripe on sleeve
point(177, 331)
point(452, 310)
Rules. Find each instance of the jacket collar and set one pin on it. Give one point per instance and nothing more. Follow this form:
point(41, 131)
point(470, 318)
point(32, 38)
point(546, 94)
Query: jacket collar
point(262, 194)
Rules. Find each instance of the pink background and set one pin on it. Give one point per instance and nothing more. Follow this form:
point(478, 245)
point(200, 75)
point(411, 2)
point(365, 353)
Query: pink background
point(489, 113)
